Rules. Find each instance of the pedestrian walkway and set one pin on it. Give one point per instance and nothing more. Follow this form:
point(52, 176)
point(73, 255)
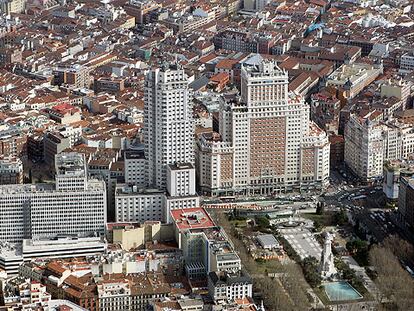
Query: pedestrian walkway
point(366, 280)
point(303, 242)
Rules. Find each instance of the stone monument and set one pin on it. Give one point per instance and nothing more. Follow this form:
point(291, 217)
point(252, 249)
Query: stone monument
point(327, 267)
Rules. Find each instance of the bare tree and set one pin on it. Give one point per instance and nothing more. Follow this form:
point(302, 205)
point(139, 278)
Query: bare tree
point(394, 282)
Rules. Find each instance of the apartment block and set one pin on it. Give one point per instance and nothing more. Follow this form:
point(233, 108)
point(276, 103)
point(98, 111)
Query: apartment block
point(406, 201)
point(11, 171)
point(364, 146)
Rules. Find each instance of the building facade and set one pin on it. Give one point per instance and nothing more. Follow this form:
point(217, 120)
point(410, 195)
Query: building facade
point(364, 147)
point(168, 122)
point(75, 205)
point(406, 201)
point(273, 146)
point(11, 171)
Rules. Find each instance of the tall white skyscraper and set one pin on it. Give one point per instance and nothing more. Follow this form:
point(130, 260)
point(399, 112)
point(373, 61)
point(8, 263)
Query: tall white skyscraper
point(168, 123)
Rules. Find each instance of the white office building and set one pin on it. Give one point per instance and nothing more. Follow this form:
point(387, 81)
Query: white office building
point(13, 255)
point(181, 192)
point(135, 167)
point(407, 62)
point(133, 204)
point(75, 205)
point(168, 122)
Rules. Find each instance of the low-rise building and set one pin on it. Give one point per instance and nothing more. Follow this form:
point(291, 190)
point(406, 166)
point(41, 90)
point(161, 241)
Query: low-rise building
point(65, 114)
point(228, 287)
point(135, 236)
point(11, 171)
point(353, 78)
point(19, 294)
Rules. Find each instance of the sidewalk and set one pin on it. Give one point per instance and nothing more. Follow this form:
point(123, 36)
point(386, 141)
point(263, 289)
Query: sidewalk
point(366, 280)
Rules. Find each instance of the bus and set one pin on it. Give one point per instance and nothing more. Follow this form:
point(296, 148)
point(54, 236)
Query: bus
point(228, 199)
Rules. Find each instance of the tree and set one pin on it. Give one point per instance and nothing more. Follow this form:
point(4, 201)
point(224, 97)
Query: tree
point(262, 222)
point(310, 271)
point(317, 225)
point(393, 281)
point(359, 250)
point(340, 218)
point(320, 208)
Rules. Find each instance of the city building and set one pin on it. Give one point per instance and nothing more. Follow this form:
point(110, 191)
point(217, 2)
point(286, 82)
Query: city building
point(55, 142)
point(13, 142)
point(114, 294)
point(407, 62)
point(406, 201)
point(364, 146)
point(226, 287)
point(168, 122)
point(13, 255)
point(205, 246)
point(136, 235)
point(11, 171)
point(140, 9)
point(135, 167)
point(65, 114)
point(394, 170)
point(273, 146)
point(12, 6)
point(133, 204)
point(181, 191)
point(74, 205)
point(370, 141)
point(26, 295)
point(351, 79)
point(214, 163)
point(268, 241)
point(10, 56)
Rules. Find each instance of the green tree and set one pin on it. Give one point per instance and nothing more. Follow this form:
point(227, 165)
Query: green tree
point(340, 218)
point(310, 271)
point(359, 250)
point(320, 208)
point(262, 222)
point(317, 225)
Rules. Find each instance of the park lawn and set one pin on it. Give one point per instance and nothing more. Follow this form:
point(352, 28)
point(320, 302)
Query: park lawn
point(238, 223)
point(326, 219)
point(268, 266)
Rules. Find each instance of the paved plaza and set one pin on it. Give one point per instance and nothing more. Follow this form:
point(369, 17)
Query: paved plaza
point(303, 242)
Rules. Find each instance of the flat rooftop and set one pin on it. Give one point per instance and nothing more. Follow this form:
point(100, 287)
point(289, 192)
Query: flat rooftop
point(181, 166)
point(267, 240)
point(192, 218)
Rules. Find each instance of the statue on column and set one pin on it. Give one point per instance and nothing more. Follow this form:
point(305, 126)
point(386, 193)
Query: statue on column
point(327, 267)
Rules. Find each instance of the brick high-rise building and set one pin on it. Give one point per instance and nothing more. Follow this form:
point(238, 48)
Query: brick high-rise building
point(274, 145)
